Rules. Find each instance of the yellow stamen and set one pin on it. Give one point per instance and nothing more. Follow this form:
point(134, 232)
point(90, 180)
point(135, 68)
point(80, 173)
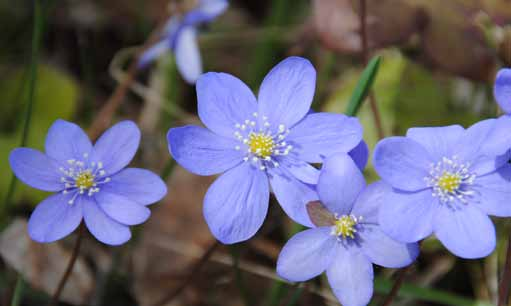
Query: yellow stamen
point(449, 182)
point(85, 180)
point(345, 227)
point(261, 144)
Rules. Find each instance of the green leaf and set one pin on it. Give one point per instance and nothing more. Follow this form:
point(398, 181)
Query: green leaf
point(363, 86)
point(383, 286)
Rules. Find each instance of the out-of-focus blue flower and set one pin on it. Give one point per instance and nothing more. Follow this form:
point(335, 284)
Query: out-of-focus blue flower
point(252, 141)
point(502, 89)
point(180, 37)
point(89, 182)
point(446, 181)
point(346, 239)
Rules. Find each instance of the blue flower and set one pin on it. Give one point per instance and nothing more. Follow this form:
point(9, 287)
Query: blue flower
point(252, 142)
point(89, 182)
point(446, 181)
point(346, 239)
point(180, 37)
point(502, 89)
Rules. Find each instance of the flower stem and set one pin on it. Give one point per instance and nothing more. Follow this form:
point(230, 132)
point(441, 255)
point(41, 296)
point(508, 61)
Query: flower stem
point(18, 291)
point(397, 284)
point(193, 273)
point(238, 276)
point(365, 56)
point(69, 268)
point(506, 277)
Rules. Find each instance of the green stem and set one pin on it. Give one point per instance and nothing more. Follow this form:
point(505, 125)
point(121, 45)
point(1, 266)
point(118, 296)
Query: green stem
point(18, 291)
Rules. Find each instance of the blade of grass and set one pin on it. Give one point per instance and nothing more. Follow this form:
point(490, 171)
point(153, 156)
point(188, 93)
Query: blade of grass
point(363, 86)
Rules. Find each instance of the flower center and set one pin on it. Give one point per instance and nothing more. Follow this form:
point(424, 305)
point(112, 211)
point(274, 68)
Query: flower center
point(260, 144)
point(345, 226)
point(263, 144)
point(82, 176)
point(450, 180)
point(85, 180)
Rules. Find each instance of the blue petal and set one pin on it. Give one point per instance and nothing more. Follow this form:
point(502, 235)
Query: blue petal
point(292, 194)
point(188, 58)
point(493, 192)
point(122, 209)
point(340, 183)
point(465, 231)
point(360, 155)
point(502, 89)
point(153, 52)
point(139, 185)
point(351, 277)
point(286, 94)
point(202, 152)
point(54, 218)
point(36, 169)
point(300, 169)
point(206, 11)
point(236, 204)
point(117, 146)
point(223, 102)
point(66, 140)
point(101, 226)
point(307, 254)
point(320, 135)
point(384, 251)
point(402, 163)
point(407, 216)
point(490, 138)
point(440, 142)
point(369, 202)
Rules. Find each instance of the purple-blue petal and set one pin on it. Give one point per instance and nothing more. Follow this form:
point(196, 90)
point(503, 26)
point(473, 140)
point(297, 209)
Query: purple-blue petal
point(351, 277)
point(502, 89)
point(236, 204)
point(66, 140)
point(493, 192)
point(54, 218)
point(465, 231)
point(385, 251)
point(117, 146)
point(223, 102)
point(101, 226)
point(202, 152)
point(36, 169)
point(286, 94)
point(300, 169)
point(407, 216)
point(206, 11)
point(188, 58)
point(369, 202)
point(307, 254)
point(139, 185)
point(440, 142)
point(360, 155)
point(320, 135)
point(122, 209)
point(402, 162)
point(153, 52)
point(340, 183)
point(292, 194)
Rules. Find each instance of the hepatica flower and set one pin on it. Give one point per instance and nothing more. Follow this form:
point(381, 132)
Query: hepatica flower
point(180, 38)
point(446, 181)
point(89, 182)
point(502, 89)
point(253, 142)
point(346, 239)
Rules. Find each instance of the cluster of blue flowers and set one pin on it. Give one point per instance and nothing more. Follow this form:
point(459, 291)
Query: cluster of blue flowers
point(445, 181)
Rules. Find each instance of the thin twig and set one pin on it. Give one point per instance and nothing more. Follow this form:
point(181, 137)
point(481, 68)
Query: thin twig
point(365, 56)
point(104, 117)
point(69, 268)
point(193, 273)
point(397, 284)
point(506, 277)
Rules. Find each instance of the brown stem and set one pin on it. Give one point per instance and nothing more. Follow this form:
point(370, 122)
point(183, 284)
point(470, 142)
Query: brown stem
point(365, 56)
point(104, 117)
point(397, 284)
point(506, 277)
point(69, 269)
point(188, 280)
